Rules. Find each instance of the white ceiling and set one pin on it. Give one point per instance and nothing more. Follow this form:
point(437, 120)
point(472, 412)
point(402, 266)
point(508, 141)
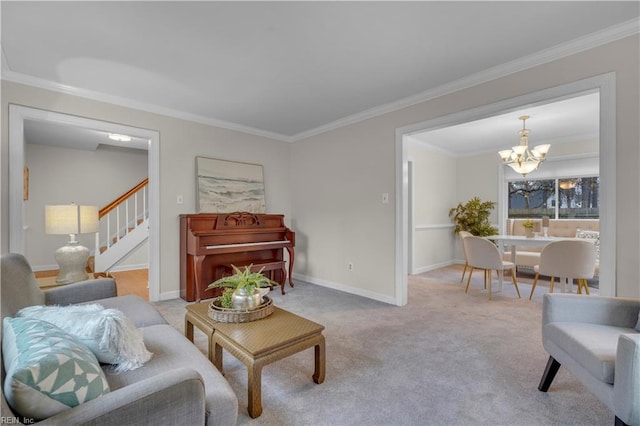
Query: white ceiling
point(61, 135)
point(568, 120)
point(290, 69)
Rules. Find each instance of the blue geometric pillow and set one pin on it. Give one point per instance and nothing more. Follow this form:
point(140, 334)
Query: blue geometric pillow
point(48, 370)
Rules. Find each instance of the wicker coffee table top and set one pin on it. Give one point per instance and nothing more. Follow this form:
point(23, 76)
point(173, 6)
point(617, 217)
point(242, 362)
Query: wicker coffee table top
point(264, 335)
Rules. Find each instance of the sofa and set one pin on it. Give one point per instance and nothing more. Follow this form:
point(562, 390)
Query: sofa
point(597, 339)
point(529, 256)
point(178, 385)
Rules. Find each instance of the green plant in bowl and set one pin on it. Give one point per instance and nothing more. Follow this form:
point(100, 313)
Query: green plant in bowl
point(226, 299)
point(245, 284)
point(246, 279)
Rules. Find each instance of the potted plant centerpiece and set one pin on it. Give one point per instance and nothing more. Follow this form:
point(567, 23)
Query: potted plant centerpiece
point(528, 226)
point(242, 289)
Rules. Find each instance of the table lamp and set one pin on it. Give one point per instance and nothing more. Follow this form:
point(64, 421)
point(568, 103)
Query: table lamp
point(71, 219)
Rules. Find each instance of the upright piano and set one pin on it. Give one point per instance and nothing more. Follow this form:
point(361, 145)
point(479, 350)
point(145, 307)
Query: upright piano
point(211, 242)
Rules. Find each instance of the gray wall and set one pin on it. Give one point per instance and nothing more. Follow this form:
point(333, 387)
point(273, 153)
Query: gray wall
point(329, 186)
point(63, 175)
point(340, 174)
point(180, 142)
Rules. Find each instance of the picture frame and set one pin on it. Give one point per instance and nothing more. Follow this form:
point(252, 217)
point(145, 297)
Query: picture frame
point(229, 186)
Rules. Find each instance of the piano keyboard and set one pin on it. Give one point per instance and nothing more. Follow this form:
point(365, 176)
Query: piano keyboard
point(261, 243)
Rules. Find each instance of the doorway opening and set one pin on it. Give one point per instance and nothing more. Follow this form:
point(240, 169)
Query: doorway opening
point(605, 85)
point(17, 117)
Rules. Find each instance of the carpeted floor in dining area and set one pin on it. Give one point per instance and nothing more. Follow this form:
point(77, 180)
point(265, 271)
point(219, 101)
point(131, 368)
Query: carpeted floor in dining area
point(446, 358)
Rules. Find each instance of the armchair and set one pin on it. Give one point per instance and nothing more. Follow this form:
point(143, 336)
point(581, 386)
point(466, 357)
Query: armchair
point(595, 339)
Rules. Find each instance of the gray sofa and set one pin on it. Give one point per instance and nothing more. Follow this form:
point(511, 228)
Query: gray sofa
point(596, 338)
point(177, 386)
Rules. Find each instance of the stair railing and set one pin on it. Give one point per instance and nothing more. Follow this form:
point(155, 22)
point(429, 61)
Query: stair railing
point(122, 215)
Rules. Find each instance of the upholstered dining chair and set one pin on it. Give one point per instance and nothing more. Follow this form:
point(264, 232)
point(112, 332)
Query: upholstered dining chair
point(462, 235)
point(483, 254)
point(567, 259)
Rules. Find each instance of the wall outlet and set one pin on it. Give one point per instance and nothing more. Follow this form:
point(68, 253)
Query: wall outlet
point(350, 266)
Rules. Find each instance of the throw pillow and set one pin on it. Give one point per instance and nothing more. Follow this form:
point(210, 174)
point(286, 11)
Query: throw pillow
point(591, 235)
point(107, 332)
point(48, 370)
point(594, 235)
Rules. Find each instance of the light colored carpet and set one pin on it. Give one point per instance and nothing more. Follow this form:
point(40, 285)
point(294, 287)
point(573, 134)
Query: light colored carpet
point(447, 358)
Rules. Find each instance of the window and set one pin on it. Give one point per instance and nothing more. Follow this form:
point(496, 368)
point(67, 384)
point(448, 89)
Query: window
point(561, 198)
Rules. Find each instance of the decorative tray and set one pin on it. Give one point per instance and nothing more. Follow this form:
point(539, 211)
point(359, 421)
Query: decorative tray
point(220, 314)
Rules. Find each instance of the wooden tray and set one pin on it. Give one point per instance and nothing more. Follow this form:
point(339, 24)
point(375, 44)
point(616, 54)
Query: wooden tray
point(220, 314)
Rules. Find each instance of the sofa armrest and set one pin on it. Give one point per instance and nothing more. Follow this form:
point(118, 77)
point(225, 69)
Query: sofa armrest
point(626, 388)
point(615, 311)
point(80, 292)
point(171, 398)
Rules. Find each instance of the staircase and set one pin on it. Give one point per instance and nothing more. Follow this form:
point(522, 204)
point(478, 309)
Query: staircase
point(124, 226)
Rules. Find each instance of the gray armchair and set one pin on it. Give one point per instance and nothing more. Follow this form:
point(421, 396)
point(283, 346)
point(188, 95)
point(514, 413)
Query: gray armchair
point(595, 338)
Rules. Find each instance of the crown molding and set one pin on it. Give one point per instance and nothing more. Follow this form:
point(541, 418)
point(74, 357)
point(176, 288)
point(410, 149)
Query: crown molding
point(4, 64)
point(41, 83)
point(590, 41)
point(560, 51)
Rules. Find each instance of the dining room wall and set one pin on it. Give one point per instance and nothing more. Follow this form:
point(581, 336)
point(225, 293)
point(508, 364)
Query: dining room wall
point(434, 193)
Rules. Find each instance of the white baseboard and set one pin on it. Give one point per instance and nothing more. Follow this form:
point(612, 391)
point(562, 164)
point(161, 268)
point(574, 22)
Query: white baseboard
point(345, 288)
point(44, 268)
point(129, 267)
point(428, 268)
point(168, 295)
point(114, 269)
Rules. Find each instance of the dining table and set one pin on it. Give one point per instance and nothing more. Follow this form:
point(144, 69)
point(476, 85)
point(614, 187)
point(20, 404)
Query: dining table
point(503, 241)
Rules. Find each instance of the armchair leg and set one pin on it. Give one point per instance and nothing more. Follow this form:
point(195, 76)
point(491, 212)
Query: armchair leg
point(464, 271)
point(549, 374)
point(515, 283)
point(619, 422)
point(585, 285)
point(533, 287)
point(469, 279)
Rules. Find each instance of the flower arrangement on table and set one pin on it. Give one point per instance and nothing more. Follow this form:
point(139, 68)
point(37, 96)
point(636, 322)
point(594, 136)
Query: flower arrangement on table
point(528, 226)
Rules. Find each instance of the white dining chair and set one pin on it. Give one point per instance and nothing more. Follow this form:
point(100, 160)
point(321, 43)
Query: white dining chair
point(483, 254)
point(567, 259)
point(463, 235)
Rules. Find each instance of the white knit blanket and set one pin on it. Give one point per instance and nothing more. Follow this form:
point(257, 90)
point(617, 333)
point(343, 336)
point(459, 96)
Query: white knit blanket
point(107, 332)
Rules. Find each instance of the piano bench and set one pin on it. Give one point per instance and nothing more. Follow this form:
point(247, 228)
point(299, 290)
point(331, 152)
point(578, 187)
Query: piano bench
point(267, 266)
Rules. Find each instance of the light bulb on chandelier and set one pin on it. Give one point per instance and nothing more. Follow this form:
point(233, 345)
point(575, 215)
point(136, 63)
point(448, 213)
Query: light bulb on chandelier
point(520, 158)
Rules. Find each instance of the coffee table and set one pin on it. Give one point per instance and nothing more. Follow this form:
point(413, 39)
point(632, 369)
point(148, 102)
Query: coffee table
point(258, 343)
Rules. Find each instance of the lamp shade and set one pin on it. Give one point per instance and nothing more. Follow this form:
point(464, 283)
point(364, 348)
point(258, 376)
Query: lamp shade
point(71, 219)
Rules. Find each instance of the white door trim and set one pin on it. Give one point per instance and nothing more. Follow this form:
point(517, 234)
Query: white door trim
point(606, 84)
point(17, 115)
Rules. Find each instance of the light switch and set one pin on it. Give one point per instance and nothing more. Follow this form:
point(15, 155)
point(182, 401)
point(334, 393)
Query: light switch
point(385, 198)
point(180, 200)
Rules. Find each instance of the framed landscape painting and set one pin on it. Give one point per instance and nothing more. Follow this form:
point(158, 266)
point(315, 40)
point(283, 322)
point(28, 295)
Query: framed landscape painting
point(229, 186)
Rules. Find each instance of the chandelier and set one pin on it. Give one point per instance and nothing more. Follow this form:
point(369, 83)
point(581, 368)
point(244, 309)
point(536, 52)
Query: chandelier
point(519, 158)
